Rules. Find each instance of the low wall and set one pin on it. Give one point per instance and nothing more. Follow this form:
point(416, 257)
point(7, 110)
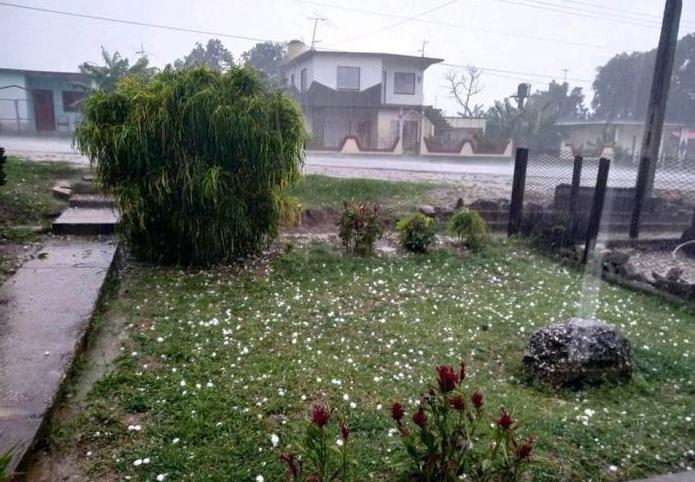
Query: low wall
point(467, 151)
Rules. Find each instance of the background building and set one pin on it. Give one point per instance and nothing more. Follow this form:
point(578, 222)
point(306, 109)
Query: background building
point(34, 102)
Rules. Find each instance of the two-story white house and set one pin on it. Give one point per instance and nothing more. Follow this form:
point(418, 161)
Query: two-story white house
point(375, 98)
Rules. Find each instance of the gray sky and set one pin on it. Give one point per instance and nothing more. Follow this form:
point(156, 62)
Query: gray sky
point(531, 36)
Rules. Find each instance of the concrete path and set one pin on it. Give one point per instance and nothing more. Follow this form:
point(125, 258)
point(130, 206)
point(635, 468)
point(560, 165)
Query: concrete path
point(45, 309)
point(682, 477)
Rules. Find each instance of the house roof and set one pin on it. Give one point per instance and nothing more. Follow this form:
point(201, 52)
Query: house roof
point(46, 73)
point(617, 122)
point(423, 61)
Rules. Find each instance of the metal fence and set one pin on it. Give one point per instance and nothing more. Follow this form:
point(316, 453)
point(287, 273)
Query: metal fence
point(561, 189)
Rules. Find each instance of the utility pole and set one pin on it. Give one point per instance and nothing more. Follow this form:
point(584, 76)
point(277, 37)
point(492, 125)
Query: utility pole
point(313, 35)
point(422, 50)
point(564, 74)
point(656, 109)
point(142, 51)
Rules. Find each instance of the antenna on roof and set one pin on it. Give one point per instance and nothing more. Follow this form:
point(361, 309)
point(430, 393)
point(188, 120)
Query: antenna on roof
point(313, 35)
point(564, 72)
point(422, 50)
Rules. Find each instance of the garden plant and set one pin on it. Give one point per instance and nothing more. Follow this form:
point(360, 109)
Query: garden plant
point(416, 232)
point(198, 161)
point(470, 229)
point(450, 439)
point(359, 227)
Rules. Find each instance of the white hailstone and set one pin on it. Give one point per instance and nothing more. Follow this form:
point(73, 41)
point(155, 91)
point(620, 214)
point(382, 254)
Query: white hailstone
point(275, 440)
point(138, 462)
point(175, 441)
point(346, 397)
point(146, 460)
point(259, 478)
point(339, 443)
point(613, 468)
point(353, 405)
point(183, 383)
point(160, 339)
point(161, 477)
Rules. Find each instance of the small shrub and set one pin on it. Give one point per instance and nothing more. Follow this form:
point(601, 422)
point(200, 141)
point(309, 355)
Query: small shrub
point(416, 232)
point(291, 211)
point(359, 227)
point(548, 230)
point(322, 461)
point(450, 436)
point(469, 228)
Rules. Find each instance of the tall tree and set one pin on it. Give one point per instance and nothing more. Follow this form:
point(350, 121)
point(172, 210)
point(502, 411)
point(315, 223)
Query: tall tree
point(463, 87)
point(622, 85)
point(266, 58)
point(115, 68)
point(534, 126)
point(214, 56)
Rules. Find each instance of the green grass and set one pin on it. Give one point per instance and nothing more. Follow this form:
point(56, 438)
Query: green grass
point(216, 361)
point(26, 200)
point(323, 192)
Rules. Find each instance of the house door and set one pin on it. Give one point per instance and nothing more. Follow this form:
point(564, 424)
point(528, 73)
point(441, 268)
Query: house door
point(43, 110)
point(411, 137)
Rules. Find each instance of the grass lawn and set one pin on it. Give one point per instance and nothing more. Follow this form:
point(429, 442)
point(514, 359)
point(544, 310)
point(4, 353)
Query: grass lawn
point(216, 361)
point(26, 200)
point(323, 192)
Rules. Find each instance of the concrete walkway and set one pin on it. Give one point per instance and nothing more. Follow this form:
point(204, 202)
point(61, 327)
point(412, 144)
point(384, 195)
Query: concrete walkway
point(45, 309)
point(681, 477)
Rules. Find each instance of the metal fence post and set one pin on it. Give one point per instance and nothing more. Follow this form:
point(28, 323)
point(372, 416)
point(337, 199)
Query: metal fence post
point(596, 207)
point(518, 186)
point(574, 197)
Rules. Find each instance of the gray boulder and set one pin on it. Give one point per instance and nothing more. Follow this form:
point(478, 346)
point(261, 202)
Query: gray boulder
point(578, 352)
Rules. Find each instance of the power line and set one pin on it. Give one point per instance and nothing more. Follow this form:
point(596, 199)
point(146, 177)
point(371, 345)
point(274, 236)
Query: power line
point(517, 72)
point(133, 22)
point(505, 33)
point(551, 7)
point(635, 13)
point(400, 22)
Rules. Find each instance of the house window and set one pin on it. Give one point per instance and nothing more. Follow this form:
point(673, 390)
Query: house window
point(404, 83)
point(348, 78)
point(72, 100)
point(302, 80)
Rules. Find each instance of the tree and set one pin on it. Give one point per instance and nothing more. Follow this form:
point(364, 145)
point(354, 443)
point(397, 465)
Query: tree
point(115, 68)
point(197, 160)
point(622, 85)
point(463, 87)
point(534, 126)
point(214, 56)
point(267, 58)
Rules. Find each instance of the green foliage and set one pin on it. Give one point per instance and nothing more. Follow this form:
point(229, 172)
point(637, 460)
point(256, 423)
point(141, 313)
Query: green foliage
point(291, 211)
point(623, 83)
point(549, 231)
point(213, 56)
point(198, 161)
point(267, 58)
point(470, 229)
point(416, 232)
point(3, 160)
point(322, 461)
point(5, 460)
point(450, 436)
point(116, 68)
point(359, 227)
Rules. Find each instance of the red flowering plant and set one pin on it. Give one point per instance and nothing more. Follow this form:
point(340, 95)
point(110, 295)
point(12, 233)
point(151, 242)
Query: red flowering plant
point(451, 438)
point(324, 461)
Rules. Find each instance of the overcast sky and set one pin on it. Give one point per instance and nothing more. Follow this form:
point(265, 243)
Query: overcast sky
point(540, 37)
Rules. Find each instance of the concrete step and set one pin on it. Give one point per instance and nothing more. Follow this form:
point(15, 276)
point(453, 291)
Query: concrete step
point(91, 201)
point(86, 221)
point(46, 308)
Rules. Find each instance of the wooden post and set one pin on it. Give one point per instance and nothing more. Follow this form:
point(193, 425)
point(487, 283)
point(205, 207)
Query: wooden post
point(571, 228)
point(596, 207)
point(656, 109)
point(518, 186)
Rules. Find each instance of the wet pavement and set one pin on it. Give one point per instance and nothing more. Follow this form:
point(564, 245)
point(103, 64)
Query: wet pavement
point(45, 309)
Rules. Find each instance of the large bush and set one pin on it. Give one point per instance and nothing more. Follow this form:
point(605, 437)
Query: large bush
point(198, 161)
point(359, 228)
